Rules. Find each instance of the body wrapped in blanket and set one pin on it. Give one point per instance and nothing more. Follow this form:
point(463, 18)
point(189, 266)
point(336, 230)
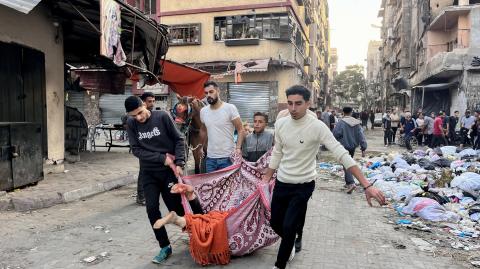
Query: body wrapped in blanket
point(236, 211)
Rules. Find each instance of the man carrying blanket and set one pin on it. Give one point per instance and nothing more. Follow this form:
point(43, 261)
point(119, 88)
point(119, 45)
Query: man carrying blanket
point(297, 140)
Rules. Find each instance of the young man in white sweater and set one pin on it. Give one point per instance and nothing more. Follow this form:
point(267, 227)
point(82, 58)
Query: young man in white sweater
point(297, 139)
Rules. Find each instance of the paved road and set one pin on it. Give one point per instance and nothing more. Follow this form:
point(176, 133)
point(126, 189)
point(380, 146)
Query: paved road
point(341, 232)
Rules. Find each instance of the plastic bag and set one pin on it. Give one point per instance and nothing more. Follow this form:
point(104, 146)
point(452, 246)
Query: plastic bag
point(442, 162)
point(429, 209)
point(426, 164)
point(399, 162)
point(468, 181)
point(467, 152)
point(449, 150)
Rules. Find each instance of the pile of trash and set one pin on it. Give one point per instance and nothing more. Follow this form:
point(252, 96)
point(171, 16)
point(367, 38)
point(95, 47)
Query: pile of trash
point(441, 184)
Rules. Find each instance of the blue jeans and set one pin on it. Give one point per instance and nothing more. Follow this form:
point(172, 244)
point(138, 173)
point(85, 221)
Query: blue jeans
point(214, 164)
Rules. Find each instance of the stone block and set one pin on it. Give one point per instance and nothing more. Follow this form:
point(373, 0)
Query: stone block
point(5, 204)
point(119, 182)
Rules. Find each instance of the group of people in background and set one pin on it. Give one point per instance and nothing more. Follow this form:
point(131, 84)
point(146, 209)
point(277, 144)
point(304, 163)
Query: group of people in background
point(433, 130)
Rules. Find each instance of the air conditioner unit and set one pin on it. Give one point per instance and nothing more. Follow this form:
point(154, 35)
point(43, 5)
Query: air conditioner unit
point(307, 61)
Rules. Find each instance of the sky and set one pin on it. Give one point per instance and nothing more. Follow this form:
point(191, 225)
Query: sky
point(351, 30)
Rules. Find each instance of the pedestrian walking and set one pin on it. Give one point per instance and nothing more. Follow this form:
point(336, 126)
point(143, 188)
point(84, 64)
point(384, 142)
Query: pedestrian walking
point(297, 139)
point(420, 121)
point(409, 128)
point(395, 117)
point(372, 118)
point(364, 118)
point(326, 116)
point(350, 134)
point(260, 141)
point(387, 130)
point(453, 126)
point(153, 135)
point(219, 121)
point(467, 122)
point(149, 100)
point(438, 131)
point(428, 131)
point(332, 119)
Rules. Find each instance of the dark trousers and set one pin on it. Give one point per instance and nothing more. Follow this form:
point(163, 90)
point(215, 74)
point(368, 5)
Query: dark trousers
point(428, 140)
point(420, 138)
point(348, 176)
point(438, 140)
point(372, 121)
point(464, 135)
point(387, 137)
point(408, 137)
point(140, 194)
point(154, 184)
point(477, 143)
point(452, 137)
point(289, 207)
point(394, 133)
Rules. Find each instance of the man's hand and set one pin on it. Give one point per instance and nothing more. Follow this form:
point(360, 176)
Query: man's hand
point(268, 175)
point(179, 171)
point(168, 160)
point(374, 193)
point(238, 151)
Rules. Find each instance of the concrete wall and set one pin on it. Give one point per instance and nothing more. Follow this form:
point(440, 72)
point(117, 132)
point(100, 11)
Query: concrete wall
point(475, 27)
point(436, 6)
point(36, 30)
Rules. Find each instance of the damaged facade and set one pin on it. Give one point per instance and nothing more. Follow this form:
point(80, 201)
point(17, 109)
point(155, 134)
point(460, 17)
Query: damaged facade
point(374, 78)
point(429, 58)
point(41, 44)
point(254, 49)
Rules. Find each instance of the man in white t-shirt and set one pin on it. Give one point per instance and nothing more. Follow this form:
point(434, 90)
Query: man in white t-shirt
point(219, 120)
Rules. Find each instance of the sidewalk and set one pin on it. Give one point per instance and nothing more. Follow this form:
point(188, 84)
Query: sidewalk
point(96, 172)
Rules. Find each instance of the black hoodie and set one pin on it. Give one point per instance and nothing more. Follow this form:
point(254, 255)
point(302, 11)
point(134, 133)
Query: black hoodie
point(152, 140)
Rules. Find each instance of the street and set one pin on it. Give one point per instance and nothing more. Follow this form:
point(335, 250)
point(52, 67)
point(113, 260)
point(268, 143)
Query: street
point(341, 231)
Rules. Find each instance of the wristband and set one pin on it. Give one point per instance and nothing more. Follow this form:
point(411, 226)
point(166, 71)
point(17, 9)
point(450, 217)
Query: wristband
point(365, 188)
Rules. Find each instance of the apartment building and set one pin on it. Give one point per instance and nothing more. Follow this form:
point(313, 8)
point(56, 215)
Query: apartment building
point(439, 69)
point(374, 75)
point(255, 49)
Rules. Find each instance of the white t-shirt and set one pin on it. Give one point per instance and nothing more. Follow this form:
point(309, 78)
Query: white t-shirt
point(220, 129)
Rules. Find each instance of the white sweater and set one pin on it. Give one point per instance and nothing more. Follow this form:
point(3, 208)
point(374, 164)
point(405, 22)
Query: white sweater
point(296, 146)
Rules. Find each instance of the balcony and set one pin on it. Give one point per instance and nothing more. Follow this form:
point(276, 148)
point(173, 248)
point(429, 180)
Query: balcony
point(444, 65)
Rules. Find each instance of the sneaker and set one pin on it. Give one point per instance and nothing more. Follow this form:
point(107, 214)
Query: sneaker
point(298, 244)
point(140, 201)
point(351, 188)
point(163, 255)
point(292, 255)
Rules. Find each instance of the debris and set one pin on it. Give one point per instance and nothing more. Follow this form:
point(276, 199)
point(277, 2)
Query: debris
point(104, 254)
point(423, 245)
point(90, 259)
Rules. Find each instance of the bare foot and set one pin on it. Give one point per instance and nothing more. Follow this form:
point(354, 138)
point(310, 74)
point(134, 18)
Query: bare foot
point(170, 218)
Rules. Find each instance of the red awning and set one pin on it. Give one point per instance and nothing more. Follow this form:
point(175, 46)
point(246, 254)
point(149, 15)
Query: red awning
point(184, 80)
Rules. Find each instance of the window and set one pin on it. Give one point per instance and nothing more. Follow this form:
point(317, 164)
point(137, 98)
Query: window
point(268, 26)
point(185, 34)
point(150, 7)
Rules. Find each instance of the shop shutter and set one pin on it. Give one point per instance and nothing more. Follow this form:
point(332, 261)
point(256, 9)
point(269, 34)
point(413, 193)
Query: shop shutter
point(76, 100)
point(250, 98)
point(112, 106)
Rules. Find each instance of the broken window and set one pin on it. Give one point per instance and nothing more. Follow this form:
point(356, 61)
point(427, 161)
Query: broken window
point(267, 26)
point(184, 34)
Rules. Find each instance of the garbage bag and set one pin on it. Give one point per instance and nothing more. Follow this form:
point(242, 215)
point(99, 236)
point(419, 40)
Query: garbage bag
point(419, 153)
point(456, 164)
point(442, 162)
point(468, 181)
point(440, 199)
point(448, 150)
point(467, 153)
point(426, 164)
point(410, 160)
point(438, 151)
point(429, 209)
point(397, 191)
point(399, 162)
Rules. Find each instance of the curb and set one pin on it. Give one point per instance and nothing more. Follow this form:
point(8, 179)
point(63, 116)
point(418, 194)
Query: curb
point(45, 200)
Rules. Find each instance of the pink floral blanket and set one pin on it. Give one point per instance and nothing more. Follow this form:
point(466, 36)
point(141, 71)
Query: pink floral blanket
point(238, 190)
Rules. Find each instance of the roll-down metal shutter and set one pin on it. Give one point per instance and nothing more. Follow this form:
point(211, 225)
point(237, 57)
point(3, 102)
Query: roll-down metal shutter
point(76, 100)
point(112, 106)
point(250, 98)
